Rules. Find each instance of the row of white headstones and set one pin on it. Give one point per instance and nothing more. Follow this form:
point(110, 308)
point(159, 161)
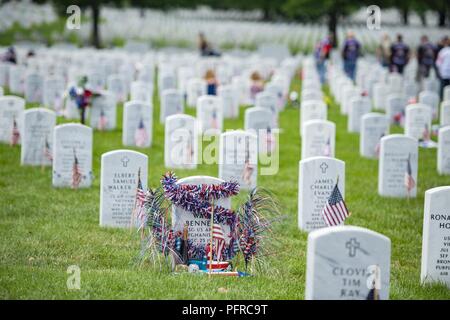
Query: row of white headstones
point(367, 252)
point(334, 260)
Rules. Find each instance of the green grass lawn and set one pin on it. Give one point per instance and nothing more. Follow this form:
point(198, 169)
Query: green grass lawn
point(45, 230)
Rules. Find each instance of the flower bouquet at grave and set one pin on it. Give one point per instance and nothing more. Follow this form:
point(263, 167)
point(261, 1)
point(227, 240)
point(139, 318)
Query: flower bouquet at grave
point(82, 96)
point(234, 236)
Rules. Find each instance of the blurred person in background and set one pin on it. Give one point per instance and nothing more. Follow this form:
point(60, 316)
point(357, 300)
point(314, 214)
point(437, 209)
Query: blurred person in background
point(384, 50)
point(443, 65)
point(322, 54)
point(211, 82)
point(426, 55)
point(350, 54)
point(10, 56)
point(399, 55)
point(257, 84)
point(205, 47)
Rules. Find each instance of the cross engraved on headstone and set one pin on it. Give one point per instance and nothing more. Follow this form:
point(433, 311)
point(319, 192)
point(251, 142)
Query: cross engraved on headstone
point(352, 245)
point(324, 167)
point(125, 161)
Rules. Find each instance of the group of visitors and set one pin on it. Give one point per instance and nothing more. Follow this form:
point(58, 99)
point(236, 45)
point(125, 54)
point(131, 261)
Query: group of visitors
point(392, 55)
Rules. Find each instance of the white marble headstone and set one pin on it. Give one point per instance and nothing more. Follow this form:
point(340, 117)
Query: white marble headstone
point(346, 262)
point(53, 93)
point(34, 87)
point(395, 105)
point(430, 99)
point(418, 119)
point(445, 113)
point(436, 237)
point(358, 107)
point(199, 230)
point(312, 110)
point(119, 178)
point(374, 126)
point(238, 158)
point(171, 103)
point(318, 138)
point(72, 142)
point(137, 124)
point(443, 152)
point(11, 109)
point(395, 150)
point(230, 101)
point(37, 137)
point(103, 112)
point(210, 114)
point(317, 178)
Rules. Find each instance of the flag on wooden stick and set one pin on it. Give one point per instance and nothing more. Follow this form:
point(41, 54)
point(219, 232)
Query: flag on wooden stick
point(409, 180)
point(76, 173)
point(15, 134)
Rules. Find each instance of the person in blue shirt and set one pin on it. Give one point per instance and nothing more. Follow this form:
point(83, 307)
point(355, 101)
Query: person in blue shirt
point(399, 55)
point(350, 54)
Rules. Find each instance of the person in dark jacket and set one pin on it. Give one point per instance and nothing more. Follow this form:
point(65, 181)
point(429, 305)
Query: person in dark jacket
point(399, 55)
point(350, 54)
point(426, 55)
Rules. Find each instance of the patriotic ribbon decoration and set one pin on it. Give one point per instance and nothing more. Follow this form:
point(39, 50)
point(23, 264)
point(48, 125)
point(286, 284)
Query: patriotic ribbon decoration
point(247, 224)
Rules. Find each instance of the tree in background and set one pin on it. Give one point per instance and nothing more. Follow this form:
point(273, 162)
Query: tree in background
point(311, 10)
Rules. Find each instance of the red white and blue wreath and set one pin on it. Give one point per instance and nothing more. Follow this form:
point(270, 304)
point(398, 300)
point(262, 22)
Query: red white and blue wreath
point(249, 225)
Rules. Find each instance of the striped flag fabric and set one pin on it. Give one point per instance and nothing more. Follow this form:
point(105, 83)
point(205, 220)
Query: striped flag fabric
point(378, 146)
point(140, 136)
point(102, 121)
point(335, 211)
point(409, 180)
point(76, 173)
point(15, 134)
point(219, 240)
point(140, 199)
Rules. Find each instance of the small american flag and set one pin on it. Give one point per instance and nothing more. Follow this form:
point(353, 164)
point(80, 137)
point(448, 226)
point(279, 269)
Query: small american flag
point(426, 134)
point(102, 121)
point(409, 180)
point(335, 211)
point(219, 240)
point(214, 123)
point(47, 150)
point(378, 146)
point(327, 148)
point(15, 134)
point(270, 141)
point(140, 200)
point(76, 173)
point(140, 136)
